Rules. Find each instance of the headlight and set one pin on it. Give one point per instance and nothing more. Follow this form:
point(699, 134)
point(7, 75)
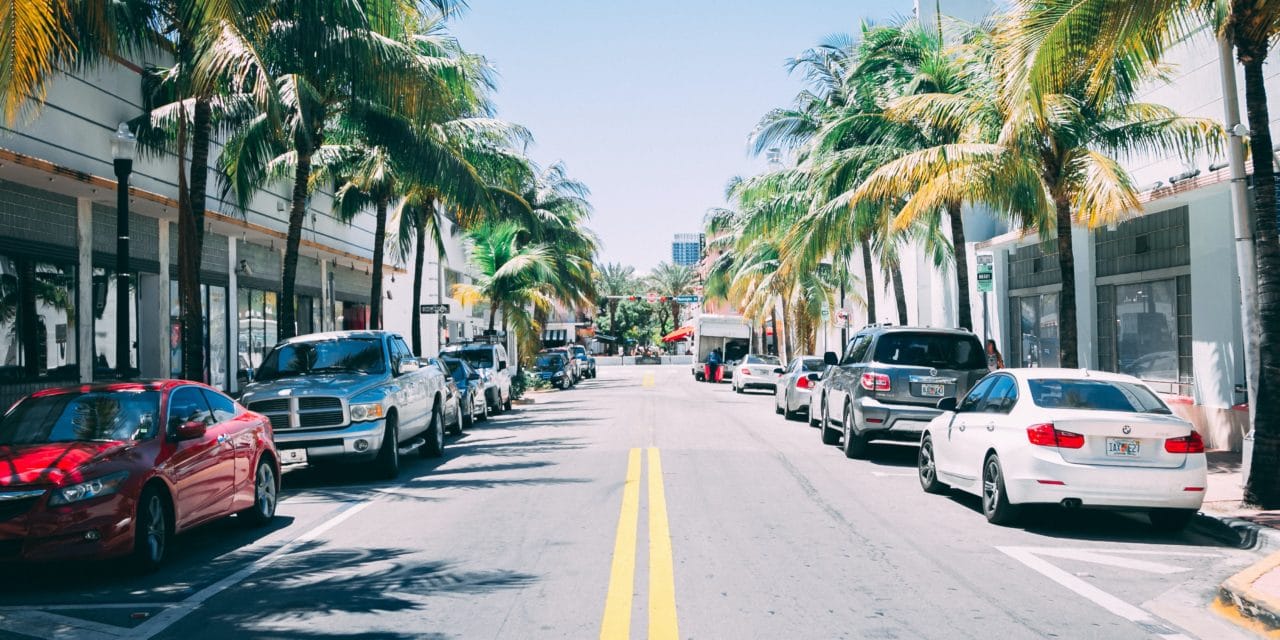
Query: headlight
point(96, 488)
point(559, 374)
point(366, 412)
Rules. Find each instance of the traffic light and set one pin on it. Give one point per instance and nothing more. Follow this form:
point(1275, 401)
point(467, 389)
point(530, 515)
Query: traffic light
point(664, 299)
point(633, 298)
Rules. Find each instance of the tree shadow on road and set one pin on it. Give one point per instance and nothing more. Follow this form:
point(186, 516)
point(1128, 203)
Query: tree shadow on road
point(306, 587)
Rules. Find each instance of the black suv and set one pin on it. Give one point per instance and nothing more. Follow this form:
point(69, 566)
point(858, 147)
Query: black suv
point(887, 384)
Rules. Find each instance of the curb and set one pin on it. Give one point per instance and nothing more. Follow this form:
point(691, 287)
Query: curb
point(1253, 604)
point(1237, 593)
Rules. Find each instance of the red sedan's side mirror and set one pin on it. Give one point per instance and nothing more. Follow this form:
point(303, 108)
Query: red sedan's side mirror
point(191, 430)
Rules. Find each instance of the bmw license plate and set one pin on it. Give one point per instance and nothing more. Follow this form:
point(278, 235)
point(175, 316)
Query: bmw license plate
point(935, 390)
point(293, 456)
point(1122, 447)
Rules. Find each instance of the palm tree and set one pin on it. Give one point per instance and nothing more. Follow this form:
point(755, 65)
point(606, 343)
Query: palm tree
point(1054, 163)
point(1064, 38)
point(614, 280)
point(331, 61)
point(511, 274)
point(669, 281)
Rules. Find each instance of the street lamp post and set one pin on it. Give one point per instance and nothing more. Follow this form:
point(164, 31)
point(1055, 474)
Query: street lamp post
point(122, 149)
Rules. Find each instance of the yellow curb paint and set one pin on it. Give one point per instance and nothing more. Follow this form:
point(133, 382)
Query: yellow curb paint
point(662, 582)
point(622, 576)
point(1229, 612)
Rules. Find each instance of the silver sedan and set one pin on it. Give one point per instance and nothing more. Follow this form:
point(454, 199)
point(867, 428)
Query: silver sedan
point(795, 386)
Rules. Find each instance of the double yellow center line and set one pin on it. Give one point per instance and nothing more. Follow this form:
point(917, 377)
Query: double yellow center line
point(662, 584)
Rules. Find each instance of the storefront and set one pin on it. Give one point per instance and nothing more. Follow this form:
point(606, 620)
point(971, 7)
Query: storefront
point(1035, 282)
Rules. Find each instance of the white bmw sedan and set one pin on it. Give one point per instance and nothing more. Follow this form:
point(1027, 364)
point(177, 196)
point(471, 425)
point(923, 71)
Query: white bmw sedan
point(1065, 436)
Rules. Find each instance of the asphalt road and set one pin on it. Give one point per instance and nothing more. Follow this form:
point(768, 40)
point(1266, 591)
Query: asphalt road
point(643, 502)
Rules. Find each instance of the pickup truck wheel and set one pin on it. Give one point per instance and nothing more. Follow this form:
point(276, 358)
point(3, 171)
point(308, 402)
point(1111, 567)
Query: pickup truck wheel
point(829, 435)
point(434, 446)
point(855, 446)
point(506, 406)
point(387, 464)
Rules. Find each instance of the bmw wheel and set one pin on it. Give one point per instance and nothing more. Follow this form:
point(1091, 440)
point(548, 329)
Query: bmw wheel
point(995, 501)
point(928, 468)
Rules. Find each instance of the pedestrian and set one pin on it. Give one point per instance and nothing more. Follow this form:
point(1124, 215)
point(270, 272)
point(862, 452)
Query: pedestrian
point(713, 371)
point(994, 359)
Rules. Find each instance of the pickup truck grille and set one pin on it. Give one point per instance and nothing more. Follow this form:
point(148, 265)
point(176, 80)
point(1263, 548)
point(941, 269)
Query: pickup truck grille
point(312, 412)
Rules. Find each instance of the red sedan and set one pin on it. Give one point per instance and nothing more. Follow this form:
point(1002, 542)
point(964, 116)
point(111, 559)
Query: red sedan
point(108, 470)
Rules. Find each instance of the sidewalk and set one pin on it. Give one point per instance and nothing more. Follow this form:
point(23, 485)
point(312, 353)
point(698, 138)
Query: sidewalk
point(1252, 594)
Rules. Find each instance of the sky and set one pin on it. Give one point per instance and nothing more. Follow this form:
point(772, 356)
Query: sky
point(650, 103)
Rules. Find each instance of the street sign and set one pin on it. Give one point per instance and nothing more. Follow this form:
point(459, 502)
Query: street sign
point(826, 311)
point(842, 315)
point(687, 299)
point(652, 297)
point(433, 308)
point(985, 276)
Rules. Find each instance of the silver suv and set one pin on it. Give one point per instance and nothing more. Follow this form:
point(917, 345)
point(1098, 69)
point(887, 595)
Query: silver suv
point(887, 384)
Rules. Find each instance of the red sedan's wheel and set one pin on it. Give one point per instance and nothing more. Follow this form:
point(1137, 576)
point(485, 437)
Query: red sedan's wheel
point(152, 529)
point(265, 496)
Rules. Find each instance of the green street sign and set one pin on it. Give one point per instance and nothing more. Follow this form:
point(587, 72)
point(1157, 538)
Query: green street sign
point(687, 299)
point(985, 280)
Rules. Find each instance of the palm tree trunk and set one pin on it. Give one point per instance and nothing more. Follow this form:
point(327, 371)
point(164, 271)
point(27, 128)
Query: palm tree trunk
point(1263, 485)
point(899, 292)
point(964, 312)
point(286, 317)
point(419, 261)
point(870, 281)
point(493, 315)
point(1067, 330)
point(379, 248)
point(191, 241)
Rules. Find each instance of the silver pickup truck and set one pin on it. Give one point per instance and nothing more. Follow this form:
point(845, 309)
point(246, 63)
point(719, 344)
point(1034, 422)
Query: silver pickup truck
point(349, 396)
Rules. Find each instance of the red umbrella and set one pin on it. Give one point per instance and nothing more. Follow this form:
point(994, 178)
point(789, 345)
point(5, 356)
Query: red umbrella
point(678, 334)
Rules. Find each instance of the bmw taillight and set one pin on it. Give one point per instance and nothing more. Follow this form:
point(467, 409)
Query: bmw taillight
point(746, 371)
point(1046, 435)
point(875, 382)
point(1188, 444)
point(803, 382)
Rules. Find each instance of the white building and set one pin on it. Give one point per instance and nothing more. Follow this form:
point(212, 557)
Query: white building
point(58, 245)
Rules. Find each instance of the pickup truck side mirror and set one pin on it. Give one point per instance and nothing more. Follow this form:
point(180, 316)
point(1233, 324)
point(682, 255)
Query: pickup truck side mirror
point(947, 404)
point(830, 359)
point(407, 364)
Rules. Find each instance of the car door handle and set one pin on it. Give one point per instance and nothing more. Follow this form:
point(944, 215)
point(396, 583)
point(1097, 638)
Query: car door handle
point(991, 427)
point(961, 427)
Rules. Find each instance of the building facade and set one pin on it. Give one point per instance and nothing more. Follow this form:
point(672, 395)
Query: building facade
point(686, 249)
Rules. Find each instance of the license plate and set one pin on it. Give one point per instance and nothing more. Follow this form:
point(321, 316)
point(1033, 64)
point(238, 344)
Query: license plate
point(1122, 447)
point(293, 456)
point(935, 390)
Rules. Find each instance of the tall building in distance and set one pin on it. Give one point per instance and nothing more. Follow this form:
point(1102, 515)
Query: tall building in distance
point(686, 249)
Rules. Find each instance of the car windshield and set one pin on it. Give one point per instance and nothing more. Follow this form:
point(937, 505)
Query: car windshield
point(937, 350)
point(550, 361)
point(478, 358)
point(1096, 395)
point(753, 359)
point(359, 355)
point(102, 416)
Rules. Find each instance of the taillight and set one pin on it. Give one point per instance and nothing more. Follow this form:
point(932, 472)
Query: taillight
point(875, 382)
point(746, 371)
point(1189, 444)
point(1045, 435)
point(803, 382)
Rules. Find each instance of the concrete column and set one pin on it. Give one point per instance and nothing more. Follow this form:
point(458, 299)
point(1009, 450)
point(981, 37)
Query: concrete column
point(85, 351)
point(1086, 297)
point(1217, 344)
point(233, 319)
point(153, 313)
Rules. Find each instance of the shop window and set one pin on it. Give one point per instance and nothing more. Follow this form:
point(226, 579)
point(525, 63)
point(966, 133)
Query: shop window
point(37, 320)
point(1035, 325)
point(256, 320)
point(213, 301)
point(355, 316)
point(1145, 329)
point(105, 293)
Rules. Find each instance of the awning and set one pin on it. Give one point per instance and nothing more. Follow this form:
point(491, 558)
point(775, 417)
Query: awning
point(679, 334)
point(600, 337)
point(555, 335)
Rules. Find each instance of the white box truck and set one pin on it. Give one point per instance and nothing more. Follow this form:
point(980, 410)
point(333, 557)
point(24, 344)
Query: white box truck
point(730, 334)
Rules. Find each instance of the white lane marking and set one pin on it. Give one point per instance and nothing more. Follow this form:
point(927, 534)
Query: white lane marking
point(1083, 555)
point(169, 617)
point(58, 627)
point(1140, 617)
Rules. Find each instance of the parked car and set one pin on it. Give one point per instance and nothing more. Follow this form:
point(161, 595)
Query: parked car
point(791, 395)
point(574, 365)
point(491, 360)
point(454, 404)
point(1065, 436)
point(117, 469)
point(888, 383)
point(755, 372)
point(350, 396)
point(472, 387)
point(586, 361)
point(554, 367)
